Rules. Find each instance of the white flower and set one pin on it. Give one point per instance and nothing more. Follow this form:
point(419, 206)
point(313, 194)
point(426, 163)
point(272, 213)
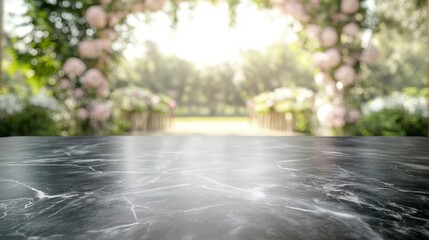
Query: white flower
point(303, 95)
point(349, 6)
point(96, 17)
point(329, 37)
point(10, 104)
point(74, 67)
point(411, 104)
point(374, 105)
point(154, 100)
point(332, 115)
point(351, 29)
point(132, 99)
point(346, 74)
point(44, 101)
point(281, 94)
point(321, 78)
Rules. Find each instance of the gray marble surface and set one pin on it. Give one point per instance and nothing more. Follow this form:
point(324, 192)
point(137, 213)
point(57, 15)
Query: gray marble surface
point(198, 187)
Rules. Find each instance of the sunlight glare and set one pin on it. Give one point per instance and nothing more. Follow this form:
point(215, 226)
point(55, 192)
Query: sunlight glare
point(206, 37)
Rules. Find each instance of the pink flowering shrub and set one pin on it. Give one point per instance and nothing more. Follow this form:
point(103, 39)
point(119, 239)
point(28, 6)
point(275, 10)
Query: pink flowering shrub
point(78, 93)
point(346, 74)
point(329, 37)
point(154, 5)
point(351, 29)
point(81, 114)
point(349, 6)
point(369, 55)
point(74, 67)
point(89, 49)
point(96, 17)
point(100, 112)
point(65, 84)
point(332, 115)
point(94, 79)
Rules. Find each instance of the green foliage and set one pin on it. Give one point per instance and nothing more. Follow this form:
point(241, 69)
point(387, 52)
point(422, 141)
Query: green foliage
point(32, 121)
point(304, 122)
point(280, 65)
point(54, 29)
point(160, 103)
point(390, 122)
point(408, 18)
point(416, 92)
point(400, 65)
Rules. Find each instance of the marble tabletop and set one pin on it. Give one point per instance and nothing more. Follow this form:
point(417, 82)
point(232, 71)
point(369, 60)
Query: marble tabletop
point(196, 187)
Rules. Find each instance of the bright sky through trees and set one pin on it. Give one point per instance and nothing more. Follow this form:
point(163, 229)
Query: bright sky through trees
point(204, 35)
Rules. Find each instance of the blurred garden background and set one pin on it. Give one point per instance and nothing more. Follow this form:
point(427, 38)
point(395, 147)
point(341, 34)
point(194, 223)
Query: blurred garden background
point(242, 67)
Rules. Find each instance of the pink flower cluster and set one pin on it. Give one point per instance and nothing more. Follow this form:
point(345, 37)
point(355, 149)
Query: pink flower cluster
point(346, 74)
point(93, 48)
point(329, 37)
point(96, 17)
point(349, 6)
point(297, 10)
point(74, 67)
point(81, 114)
point(369, 55)
point(328, 59)
point(336, 116)
point(332, 115)
point(64, 84)
point(172, 104)
point(89, 49)
point(100, 112)
point(351, 29)
point(338, 51)
point(78, 93)
point(94, 79)
point(98, 48)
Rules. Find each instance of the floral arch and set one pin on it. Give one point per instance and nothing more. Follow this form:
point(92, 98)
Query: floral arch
point(332, 30)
